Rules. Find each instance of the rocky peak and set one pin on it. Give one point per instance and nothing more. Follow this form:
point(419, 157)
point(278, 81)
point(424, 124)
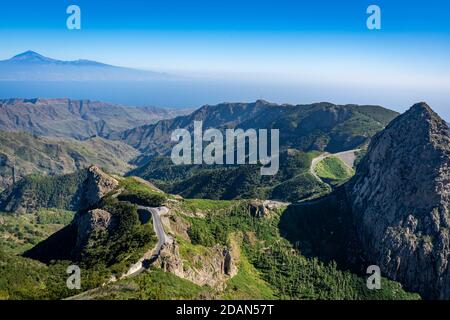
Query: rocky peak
point(30, 56)
point(427, 123)
point(400, 200)
point(95, 187)
point(89, 223)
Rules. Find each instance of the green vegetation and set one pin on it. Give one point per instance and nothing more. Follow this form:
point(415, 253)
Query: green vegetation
point(205, 205)
point(161, 285)
point(54, 216)
point(154, 284)
point(333, 170)
point(365, 121)
point(289, 274)
point(35, 192)
point(143, 198)
point(301, 187)
point(22, 278)
point(106, 252)
point(319, 126)
point(139, 193)
point(117, 248)
point(247, 284)
point(133, 185)
point(189, 249)
point(306, 128)
point(110, 250)
point(120, 247)
point(293, 181)
point(284, 255)
point(33, 154)
point(20, 233)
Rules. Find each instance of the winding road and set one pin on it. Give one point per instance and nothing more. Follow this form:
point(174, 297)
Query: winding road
point(147, 259)
point(150, 256)
point(158, 226)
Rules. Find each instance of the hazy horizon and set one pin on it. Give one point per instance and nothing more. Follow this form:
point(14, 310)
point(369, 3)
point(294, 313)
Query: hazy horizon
point(287, 53)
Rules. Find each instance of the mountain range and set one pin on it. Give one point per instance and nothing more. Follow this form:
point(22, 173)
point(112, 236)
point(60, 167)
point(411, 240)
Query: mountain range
point(319, 126)
point(393, 213)
point(306, 129)
point(78, 119)
point(224, 232)
point(32, 66)
point(23, 154)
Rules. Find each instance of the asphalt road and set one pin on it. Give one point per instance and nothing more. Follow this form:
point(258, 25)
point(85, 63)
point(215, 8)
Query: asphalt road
point(157, 226)
point(151, 255)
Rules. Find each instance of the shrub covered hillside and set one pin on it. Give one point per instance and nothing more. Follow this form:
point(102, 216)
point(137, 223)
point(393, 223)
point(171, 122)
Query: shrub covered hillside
point(21, 232)
point(333, 170)
point(211, 249)
point(108, 233)
point(36, 191)
point(293, 182)
point(261, 264)
point(269, 259)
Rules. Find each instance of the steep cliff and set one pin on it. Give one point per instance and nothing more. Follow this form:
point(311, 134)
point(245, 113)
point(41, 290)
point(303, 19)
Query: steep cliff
point(96, 185)
point(400, 199)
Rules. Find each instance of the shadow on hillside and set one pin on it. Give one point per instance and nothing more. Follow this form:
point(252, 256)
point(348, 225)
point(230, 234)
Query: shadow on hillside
point(323, 228)
point(56, 247)
point(144, 216)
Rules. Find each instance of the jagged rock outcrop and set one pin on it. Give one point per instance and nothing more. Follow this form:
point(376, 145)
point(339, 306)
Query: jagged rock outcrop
point(170, 260)
point(213, 267)
point(400, 199)
point(263, 208)
point(90, 223)
point(96, 186)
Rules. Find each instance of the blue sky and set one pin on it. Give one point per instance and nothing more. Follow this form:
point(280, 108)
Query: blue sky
point(237, 15)
point(320, 46)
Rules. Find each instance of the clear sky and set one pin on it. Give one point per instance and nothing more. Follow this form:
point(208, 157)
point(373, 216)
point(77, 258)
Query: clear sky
point(323, 46)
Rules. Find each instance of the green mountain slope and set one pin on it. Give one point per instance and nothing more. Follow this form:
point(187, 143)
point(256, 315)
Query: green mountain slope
point(218, 249)
point(333, 170)
point(304, 130)
point(320, 126)
point(35, 192)
point(293, 181)
point(29, 154)
point(21, 232)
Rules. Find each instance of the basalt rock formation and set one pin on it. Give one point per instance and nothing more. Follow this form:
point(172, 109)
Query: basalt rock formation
point(400, 200)
point(89, 222)
point(96, 186)
point(213, 268)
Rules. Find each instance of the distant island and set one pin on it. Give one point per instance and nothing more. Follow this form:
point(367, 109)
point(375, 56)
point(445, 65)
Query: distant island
point(31, 65)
